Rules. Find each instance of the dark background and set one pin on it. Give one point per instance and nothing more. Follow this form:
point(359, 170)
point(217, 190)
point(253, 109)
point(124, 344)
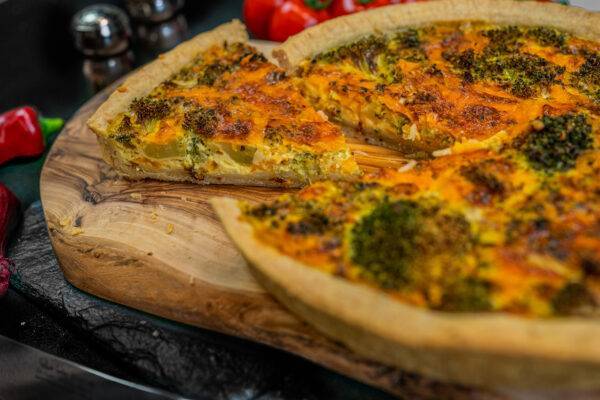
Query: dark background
point(40, 66)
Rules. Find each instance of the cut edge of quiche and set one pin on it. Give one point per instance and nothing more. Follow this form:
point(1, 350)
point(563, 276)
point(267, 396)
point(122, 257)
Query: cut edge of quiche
point(248, 128)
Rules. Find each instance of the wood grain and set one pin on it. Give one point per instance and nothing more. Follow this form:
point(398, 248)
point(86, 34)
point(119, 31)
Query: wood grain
point(159, 247)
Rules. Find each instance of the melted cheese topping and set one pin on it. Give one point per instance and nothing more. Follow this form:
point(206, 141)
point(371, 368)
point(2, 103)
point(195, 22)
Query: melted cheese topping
point(505, 213)
point(439, 87)
point(231, 111)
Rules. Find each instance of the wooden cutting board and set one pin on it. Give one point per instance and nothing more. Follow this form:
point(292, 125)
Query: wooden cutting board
point(159, 247)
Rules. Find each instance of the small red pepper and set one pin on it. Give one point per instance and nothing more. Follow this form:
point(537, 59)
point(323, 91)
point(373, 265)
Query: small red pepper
point(9, 212)
point(279, 19)
point(294, 16)
point(24, 134)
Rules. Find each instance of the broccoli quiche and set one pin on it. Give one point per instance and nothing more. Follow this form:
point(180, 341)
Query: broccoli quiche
point(432, 89)
point(479, 260)
point(215, 110)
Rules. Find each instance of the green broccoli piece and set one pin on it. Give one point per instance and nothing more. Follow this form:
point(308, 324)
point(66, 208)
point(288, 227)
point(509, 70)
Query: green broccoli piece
point(212, 72)
point(558, 144)
point(548, 36)
point(409, 39)
point(200, 120)
point(503, 40)
point(124, 133)
point(392, 241)
point(147, 109)
point(383, 242)
point(587, 78)
point(521, 74)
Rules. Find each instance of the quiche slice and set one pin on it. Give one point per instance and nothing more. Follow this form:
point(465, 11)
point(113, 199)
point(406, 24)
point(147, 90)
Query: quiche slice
point(481, 267)
point(458, 83)
point(215, 110)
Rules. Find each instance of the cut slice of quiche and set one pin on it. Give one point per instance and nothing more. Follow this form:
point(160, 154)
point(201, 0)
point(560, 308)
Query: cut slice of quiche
point(448, 86)
point(215, 110)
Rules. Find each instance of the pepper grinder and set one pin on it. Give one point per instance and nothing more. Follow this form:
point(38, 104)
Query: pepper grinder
point(101, 30)
point(153, 10)
point(102, 33)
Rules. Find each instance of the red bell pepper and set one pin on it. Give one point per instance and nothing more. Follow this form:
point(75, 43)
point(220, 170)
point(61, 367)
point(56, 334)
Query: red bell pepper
point(279, 19)
point(23, 133)
point(9, 212)
point(343, 7)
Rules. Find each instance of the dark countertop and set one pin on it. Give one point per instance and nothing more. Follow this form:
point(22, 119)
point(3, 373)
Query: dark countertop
point(197, 363)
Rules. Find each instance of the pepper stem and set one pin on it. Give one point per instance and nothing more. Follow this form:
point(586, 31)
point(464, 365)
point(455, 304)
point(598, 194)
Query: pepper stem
point(317, 4)
point(50, 126)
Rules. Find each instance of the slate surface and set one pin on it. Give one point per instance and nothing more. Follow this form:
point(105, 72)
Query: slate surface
point(150, 350)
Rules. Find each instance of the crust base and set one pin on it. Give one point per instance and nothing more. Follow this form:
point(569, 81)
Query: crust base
point(339, 31)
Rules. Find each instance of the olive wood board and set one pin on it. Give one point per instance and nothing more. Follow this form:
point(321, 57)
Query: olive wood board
point(159, 247)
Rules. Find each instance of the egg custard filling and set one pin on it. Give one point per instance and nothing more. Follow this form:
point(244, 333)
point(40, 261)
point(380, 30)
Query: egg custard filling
point(231, 113)
point(515, 229)
point(452, 87)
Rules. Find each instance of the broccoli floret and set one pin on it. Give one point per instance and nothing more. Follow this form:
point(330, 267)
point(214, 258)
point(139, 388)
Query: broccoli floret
point(503, 40)
point(378, 55)
point(202, 121)
point(464, 62)
point(469, 294)
point(548, 36)
point(124, 138)
point(273, 135)
point(409, 47)
point(508, 39)
point(124, 133)
point(521, 74)
point(556, 146)
point(587, 78)
point(383, 242)
point(360, 52)
point(305, 164)
point(148, 109)
point(391, 242)
point(212, 72)
point(197, 150)
point(408, 39)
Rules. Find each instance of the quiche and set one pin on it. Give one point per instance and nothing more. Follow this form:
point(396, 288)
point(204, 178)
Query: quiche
point(215, 110)
point(429, 90)
point(478, 261)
